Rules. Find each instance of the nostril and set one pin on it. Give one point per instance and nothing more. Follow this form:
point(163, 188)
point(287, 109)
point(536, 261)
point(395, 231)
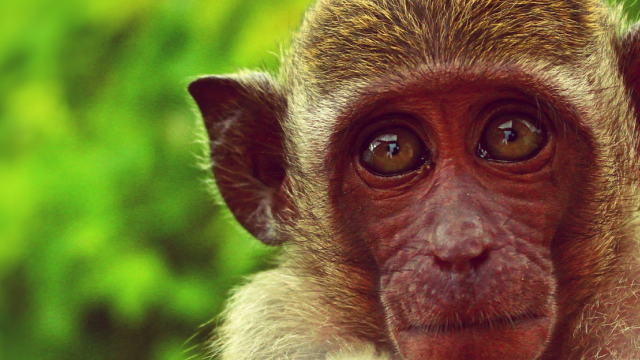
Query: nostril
point(477, 261)
point(443, 264)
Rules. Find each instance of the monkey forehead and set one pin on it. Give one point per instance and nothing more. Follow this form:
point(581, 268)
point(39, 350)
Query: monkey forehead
point(340, 40)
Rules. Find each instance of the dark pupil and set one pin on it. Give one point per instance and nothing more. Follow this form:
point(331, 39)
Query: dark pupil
point(510, 136)
point(392, 149)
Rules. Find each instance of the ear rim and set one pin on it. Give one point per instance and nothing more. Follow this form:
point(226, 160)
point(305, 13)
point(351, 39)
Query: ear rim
point(242, 114)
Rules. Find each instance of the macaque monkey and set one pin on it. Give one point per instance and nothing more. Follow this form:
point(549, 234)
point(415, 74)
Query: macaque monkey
point(449, 180)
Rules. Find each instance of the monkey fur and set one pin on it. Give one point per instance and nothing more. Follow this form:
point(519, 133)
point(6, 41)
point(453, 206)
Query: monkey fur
point(275, 159)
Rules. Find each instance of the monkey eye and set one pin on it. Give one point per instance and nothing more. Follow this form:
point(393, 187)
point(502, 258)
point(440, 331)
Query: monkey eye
point(512, 138)
point(393, 151)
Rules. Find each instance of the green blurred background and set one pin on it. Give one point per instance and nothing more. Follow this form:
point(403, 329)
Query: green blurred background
point(111, 246)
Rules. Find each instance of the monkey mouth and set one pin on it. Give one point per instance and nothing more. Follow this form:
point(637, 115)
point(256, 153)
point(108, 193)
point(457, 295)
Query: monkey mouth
point(519, 336)
point(459, 325)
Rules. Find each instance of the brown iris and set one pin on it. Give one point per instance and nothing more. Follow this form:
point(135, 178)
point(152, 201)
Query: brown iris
point(393, 151)
point(512, 138)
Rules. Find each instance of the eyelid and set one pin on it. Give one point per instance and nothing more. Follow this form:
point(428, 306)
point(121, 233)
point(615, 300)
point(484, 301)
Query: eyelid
point(389, 121)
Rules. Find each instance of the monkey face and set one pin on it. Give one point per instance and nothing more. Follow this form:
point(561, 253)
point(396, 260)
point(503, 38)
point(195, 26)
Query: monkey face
point(459, 194)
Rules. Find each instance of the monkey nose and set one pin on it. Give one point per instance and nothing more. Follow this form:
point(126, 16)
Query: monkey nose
point(460, 248)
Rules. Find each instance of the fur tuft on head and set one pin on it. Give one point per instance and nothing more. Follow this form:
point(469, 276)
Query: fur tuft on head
point(342, 40)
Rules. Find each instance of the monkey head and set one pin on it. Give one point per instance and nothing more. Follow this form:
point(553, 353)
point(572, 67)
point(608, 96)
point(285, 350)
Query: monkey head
point(455, 179)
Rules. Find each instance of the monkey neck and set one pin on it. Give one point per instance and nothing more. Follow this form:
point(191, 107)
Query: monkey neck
point(304, 327)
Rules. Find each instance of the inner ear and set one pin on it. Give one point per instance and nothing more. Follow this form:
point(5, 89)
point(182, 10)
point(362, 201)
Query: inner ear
point(242, 115)
point(267, 159)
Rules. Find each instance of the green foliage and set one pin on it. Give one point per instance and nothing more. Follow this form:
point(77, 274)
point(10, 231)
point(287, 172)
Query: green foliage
point(110, 245)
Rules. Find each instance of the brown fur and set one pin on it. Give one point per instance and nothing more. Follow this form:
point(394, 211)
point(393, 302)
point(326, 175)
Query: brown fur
point(314, 305)
point(341, 40)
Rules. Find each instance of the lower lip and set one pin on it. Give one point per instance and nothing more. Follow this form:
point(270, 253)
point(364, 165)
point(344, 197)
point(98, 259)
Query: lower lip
point(508, 339)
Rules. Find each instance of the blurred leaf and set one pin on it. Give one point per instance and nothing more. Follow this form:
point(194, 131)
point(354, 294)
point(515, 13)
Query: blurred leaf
point(110, 245)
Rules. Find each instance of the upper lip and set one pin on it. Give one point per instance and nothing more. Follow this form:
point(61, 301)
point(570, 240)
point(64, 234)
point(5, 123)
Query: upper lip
point(453, 324)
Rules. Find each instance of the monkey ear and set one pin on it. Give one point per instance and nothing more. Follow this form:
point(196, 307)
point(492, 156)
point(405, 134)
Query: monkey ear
point(630, 63)
point(242, 116)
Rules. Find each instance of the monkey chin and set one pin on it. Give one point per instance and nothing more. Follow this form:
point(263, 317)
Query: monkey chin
point(506, 339)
